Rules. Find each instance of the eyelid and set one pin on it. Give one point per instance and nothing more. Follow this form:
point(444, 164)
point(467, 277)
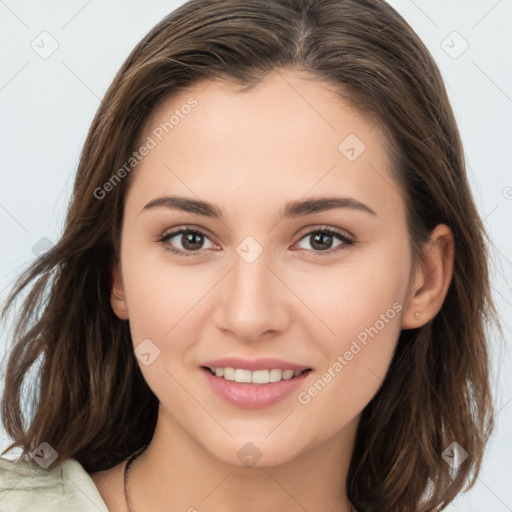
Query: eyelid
point(325, 227)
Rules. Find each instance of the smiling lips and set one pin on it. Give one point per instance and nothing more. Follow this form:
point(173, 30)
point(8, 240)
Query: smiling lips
point(253, 384)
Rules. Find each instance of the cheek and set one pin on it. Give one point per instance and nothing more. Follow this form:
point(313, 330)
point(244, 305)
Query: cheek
point(160, 294)
point(352, 297)
point(357, 358)
point(362, 306)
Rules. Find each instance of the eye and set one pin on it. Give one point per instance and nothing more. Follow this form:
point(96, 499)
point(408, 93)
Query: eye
point(322, 240)
point(190, 241)
point(186, 241)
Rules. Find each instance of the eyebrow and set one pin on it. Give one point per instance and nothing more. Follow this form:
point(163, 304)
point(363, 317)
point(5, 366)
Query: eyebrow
point(296, 208)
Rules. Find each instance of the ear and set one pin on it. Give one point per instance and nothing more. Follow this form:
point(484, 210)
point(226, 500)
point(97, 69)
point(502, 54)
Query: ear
point(117, 298)
point(431, 279)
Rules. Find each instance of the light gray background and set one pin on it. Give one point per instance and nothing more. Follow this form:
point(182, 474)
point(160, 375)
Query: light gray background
point(48, 104)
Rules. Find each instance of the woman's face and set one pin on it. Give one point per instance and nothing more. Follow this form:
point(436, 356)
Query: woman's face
point(259, 277)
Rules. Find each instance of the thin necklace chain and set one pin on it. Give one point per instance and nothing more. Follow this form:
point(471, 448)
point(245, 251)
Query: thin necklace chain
point(127, 471)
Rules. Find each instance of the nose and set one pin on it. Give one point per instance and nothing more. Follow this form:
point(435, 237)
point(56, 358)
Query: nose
point(253, 302)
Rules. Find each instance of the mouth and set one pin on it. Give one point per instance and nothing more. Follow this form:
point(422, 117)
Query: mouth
point(260, 377)
point(258, 388)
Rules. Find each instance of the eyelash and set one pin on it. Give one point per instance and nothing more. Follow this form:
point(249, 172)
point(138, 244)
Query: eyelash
point(347, 242)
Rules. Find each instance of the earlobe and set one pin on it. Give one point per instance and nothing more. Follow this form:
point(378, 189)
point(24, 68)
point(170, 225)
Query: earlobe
point(431, 280)
point(117, 298)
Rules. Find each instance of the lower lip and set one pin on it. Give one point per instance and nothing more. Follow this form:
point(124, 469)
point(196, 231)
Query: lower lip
point(253, 396)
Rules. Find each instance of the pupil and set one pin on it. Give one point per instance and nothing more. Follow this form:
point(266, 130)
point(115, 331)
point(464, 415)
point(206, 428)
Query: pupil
point(320, 238)
point(189, 241)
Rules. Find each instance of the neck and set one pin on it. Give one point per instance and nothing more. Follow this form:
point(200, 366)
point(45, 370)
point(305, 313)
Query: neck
point(176, 472)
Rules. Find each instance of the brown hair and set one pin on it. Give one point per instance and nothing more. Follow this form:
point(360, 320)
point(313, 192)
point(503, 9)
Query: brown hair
point(93, 402)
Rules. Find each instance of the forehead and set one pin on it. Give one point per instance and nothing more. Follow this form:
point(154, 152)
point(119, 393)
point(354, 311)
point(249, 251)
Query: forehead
point(288, 133)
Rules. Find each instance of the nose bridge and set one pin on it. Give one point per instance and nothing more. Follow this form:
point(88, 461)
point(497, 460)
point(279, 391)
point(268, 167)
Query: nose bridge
point(253, 299)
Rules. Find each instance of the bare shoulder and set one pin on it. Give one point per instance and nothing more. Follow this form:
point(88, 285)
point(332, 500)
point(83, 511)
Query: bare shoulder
point(110, 485)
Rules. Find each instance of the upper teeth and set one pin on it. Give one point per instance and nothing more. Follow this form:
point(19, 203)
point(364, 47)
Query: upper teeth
point(257, 376)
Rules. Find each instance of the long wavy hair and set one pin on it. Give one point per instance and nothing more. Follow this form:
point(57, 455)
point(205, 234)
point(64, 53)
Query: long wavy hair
point(92, 403)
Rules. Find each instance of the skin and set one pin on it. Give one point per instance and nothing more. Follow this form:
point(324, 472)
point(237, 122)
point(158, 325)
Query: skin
point(250, 153)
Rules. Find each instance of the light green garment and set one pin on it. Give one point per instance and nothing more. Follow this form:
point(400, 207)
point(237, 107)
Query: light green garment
point(67, 487)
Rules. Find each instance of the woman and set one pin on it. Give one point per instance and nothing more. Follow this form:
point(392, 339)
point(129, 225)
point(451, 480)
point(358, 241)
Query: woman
point(272, 286)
